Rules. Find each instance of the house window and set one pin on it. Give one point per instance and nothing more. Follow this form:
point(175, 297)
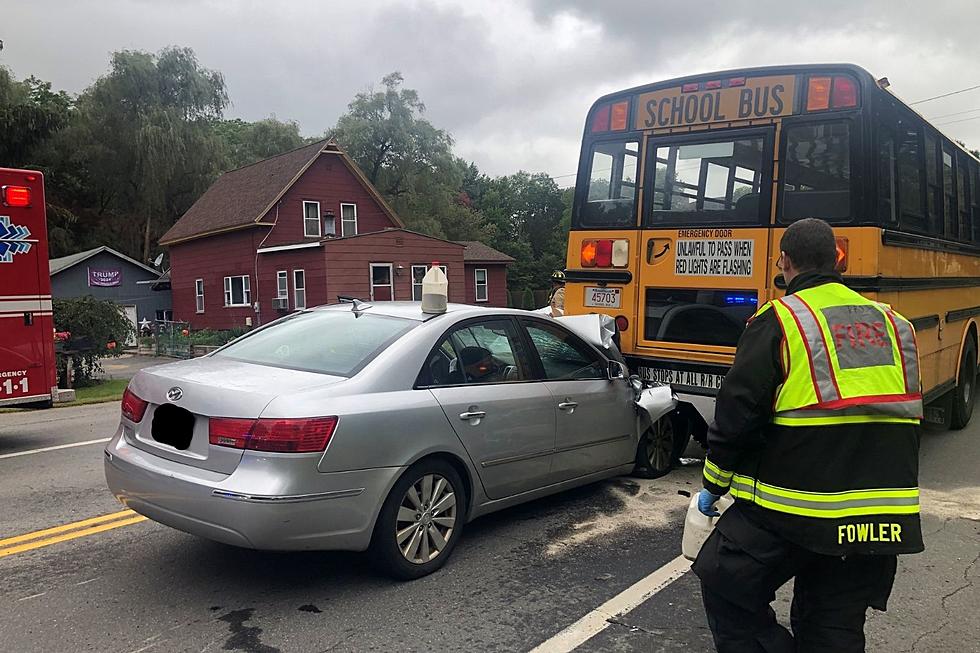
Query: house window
point(299, 289)
point(348, 219)
point(166, 315)
point(480, 275)
point(418, 272)
point(311, 219)
point(382, 289)
point(237, 291)
point(199, 294)
point(282, 290)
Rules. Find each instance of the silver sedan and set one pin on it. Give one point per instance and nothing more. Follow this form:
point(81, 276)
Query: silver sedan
point(374, 427)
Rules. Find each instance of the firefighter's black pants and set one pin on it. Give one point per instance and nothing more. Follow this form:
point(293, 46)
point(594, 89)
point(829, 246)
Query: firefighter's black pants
point(743, 564)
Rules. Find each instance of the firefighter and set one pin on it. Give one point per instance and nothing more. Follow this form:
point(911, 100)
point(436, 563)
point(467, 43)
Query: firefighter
point(816, 437)
point(556, 300)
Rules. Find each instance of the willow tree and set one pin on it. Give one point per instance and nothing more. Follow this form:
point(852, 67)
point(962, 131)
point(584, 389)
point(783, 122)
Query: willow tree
point(147, 127)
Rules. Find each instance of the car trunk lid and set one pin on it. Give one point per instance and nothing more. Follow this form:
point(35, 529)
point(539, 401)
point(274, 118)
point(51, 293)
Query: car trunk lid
point(182, 398)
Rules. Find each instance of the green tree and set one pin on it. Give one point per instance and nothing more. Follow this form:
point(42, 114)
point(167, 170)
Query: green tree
point(247, 142)
point(409, 160)
point(30, 112)
point(526, 211)
point(145, 131)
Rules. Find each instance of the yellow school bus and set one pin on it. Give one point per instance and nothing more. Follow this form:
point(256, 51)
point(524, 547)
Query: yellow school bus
point(684, 188)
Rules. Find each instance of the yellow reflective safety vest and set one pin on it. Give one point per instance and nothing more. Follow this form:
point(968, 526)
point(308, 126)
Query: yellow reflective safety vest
point(839, 468)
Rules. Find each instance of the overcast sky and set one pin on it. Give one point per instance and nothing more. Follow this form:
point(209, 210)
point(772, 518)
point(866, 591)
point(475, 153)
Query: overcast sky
point(510, 79)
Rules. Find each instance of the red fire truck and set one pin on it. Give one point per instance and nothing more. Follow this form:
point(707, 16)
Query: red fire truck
point(27, 363)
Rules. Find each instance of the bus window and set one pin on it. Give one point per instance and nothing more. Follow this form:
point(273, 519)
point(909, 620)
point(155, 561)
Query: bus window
point(934, 191)
point(912, 215)
point(949, 195)
point(694, 316)
point(611, 197)
point(963, 197)
point(975, 198)
point(704, 180)
point(887, 206)
point(817, 172)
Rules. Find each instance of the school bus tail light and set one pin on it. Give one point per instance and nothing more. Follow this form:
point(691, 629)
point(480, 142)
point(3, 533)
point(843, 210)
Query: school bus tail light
point(840, 264)
point(605, 253)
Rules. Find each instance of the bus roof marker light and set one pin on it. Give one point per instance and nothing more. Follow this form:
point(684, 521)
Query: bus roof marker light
point(818, 94)
point(844, 94)
point(736, 81)
point(600, 120)
point(620, 253)
point(712, 85)
point(690, 87)
point(618, 119)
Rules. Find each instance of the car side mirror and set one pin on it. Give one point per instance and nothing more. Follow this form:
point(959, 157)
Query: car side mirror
point(617, 370)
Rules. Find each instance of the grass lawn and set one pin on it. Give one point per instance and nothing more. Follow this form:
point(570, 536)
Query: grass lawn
point(94, 394)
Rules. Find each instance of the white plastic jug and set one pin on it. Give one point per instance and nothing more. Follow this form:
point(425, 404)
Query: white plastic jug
point(435, 290)
point(698, 526)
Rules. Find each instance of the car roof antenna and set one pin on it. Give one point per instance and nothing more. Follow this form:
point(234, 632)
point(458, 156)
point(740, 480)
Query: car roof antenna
point(357, 307)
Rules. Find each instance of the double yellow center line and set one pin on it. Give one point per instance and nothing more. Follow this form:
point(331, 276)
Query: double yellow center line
point(65, 532)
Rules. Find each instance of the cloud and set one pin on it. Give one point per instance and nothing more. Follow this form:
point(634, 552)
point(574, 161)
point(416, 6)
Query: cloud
point(511, 79)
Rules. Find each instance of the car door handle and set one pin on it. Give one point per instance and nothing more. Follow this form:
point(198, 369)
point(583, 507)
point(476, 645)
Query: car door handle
point(567, 405)
point(473, 414)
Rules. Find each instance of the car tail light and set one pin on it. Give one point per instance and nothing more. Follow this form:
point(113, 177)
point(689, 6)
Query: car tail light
point(133, 408)
point(16, 196)
point(844, 94)
point(622, 323)
point(818, 94)
point(840, 264)
point(603, 254)
point(303, 435)
point(600, 119)
point(618, 116)
point(588, 253)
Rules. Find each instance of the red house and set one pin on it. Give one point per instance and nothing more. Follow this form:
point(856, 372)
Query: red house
point(302, 229)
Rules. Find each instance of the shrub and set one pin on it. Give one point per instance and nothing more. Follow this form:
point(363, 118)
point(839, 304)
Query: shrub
point(93, 324)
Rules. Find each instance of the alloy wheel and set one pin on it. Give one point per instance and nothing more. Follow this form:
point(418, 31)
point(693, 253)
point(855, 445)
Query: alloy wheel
point(426, 519)
point(661, 446)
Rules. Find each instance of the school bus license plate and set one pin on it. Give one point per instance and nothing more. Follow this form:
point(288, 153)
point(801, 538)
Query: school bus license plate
point(603, 297)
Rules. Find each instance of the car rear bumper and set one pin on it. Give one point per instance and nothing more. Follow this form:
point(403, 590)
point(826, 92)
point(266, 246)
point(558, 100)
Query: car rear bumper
point(269, 502)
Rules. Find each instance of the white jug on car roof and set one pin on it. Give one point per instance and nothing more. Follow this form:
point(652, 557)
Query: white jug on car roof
point(435, 290)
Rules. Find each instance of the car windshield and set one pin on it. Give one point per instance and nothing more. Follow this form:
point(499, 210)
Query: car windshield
point(340, 343)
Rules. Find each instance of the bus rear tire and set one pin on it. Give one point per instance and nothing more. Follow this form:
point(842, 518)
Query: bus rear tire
point(964, 396)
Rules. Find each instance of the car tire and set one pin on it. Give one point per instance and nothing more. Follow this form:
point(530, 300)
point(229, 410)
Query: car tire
point(409, 546)
point(964, 395)
point(660, 447)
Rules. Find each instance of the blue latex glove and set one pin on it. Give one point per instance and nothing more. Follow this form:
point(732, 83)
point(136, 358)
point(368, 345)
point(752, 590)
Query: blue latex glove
point(706, 503)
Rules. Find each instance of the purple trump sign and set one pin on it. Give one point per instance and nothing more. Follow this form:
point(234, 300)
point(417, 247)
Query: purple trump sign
point(104, 278)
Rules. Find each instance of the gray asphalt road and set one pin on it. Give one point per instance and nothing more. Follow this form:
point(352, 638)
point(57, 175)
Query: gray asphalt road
point(517, 578)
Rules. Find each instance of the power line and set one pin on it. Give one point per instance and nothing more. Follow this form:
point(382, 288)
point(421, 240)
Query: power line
point(950, 115)
point(953, 122)
point(936, 97)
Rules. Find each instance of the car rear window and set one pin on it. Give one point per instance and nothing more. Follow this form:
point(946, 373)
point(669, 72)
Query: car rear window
point(340, 343)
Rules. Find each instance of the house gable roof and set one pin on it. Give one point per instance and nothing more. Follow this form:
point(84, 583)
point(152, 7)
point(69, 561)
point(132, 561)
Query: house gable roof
point(241, 197)
point(477, 252)
point(57, 265)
